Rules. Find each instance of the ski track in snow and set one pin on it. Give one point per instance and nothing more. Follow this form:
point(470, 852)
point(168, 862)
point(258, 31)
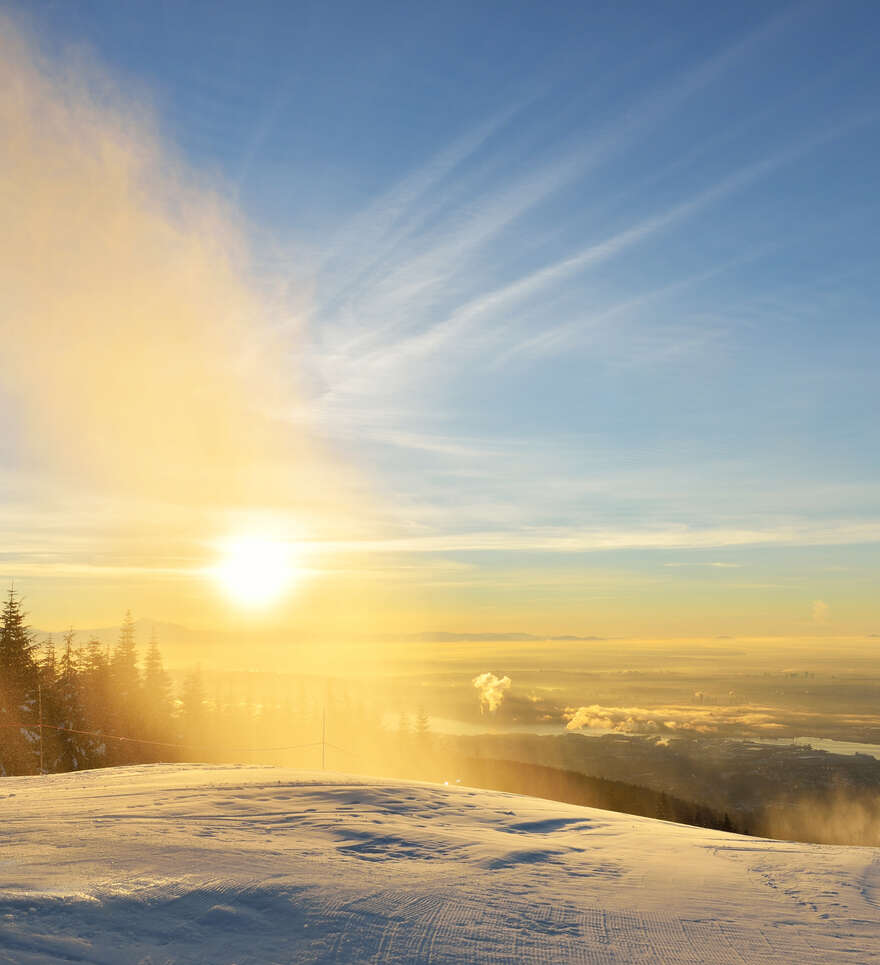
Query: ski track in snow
point(165, 864)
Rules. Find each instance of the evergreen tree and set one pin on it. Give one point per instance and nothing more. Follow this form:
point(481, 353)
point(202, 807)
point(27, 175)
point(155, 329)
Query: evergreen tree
point(664, 808)
point(77, 750)
point(19, 735)
point(404, 732)
point(422, 739)
point(124, 672)
point(192, 714)
point(403, 727)
point(125, 691)
point(157, 702)
point(48, 663)
point(17, 648)
point(423, 726)
point(47, 707)
point(93, 670)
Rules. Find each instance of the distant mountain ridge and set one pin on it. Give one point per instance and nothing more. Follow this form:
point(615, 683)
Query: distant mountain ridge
point(147, 627)
point(442, 636)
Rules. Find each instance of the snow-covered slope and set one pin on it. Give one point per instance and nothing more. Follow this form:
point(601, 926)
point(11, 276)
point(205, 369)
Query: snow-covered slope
point(165, 864)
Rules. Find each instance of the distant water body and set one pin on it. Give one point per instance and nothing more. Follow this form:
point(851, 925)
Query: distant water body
point(824, 744)
point(460, 728)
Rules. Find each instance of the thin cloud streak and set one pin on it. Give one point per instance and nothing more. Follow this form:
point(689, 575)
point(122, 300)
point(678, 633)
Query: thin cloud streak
point(571, 540)
point(556, 338)
point(364, 244)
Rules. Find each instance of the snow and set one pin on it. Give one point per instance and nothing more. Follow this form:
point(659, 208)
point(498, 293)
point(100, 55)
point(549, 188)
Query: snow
point(194, 863)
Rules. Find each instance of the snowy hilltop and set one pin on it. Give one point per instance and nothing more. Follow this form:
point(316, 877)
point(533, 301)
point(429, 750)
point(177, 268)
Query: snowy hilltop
point(165, 864)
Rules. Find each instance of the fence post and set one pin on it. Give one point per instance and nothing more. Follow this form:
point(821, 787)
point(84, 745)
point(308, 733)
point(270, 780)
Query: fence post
point(40, 707)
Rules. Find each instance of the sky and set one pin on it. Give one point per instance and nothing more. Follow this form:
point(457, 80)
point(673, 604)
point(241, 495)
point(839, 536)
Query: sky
point(496, 316)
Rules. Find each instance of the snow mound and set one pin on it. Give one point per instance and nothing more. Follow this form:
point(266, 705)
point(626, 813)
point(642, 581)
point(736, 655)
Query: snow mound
point(168, 864)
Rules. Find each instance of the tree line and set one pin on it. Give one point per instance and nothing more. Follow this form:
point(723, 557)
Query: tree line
point(68, 706)
point(62, 706)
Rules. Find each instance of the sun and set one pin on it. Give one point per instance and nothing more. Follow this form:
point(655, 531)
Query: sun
point(256, 571)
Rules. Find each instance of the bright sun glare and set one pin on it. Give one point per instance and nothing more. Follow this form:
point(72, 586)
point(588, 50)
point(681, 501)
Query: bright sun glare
point(255, 571)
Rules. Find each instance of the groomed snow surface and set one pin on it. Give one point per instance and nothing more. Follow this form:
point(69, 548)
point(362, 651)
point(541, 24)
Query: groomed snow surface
point(166, 864)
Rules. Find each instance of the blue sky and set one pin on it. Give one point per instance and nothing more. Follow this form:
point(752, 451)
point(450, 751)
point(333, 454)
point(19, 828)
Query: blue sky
point(567, 278)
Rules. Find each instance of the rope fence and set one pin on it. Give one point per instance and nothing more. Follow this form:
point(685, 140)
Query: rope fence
point(188, 746)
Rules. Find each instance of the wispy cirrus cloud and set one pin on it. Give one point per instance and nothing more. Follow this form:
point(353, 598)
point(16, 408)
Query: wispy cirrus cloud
point(383, 361)
point(406, 280)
